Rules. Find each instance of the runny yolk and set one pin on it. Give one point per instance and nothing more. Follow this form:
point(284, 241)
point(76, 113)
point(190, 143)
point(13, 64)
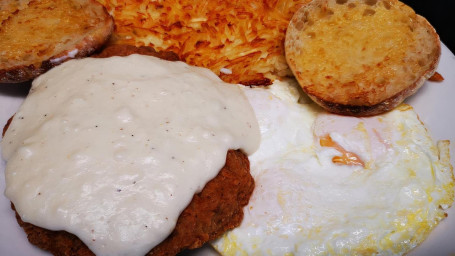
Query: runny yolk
point(346, 158)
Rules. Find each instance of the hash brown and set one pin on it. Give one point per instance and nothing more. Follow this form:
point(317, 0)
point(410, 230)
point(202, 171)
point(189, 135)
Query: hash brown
point(242, 41)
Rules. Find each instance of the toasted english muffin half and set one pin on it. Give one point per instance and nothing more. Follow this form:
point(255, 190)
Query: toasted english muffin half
point(38, 35)
point(360, 57)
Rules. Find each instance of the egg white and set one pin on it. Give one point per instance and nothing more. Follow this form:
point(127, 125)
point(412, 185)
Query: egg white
point(306, 203)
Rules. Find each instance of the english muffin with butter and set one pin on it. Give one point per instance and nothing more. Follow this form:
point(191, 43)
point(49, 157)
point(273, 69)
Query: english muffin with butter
point(129, 156)
point(360, 57)
point(38, 35)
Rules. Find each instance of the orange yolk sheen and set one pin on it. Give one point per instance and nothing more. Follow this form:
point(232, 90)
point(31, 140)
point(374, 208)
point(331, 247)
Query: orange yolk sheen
point(346, 158)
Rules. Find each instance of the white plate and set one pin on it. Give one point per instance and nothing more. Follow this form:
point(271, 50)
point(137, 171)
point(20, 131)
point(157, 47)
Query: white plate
point(435, 104)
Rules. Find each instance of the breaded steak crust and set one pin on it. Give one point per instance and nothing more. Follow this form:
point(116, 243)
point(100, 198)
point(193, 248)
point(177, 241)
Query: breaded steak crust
point(215, 210)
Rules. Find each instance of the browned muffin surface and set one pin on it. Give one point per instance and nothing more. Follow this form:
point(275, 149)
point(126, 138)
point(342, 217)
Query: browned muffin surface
point(38, 35)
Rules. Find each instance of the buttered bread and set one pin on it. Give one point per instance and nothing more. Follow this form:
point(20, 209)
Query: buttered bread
point(38, 35)
point(360, 57)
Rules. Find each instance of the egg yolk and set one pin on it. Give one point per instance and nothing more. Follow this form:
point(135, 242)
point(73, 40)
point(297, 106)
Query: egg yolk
point(346, 158)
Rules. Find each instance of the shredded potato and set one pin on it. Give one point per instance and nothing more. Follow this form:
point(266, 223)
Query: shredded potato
point(240, 40)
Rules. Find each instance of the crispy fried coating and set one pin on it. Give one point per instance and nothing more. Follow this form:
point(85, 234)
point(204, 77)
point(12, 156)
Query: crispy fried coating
point(125, 50)
point(215, 210)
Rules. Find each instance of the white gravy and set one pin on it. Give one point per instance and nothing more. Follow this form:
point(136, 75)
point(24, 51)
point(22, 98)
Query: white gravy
point(112, 150)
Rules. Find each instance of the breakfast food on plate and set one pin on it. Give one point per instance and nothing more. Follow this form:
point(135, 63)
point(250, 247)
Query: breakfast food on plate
point(105, 154)
point(136, 155)
point(241, 41)
point(337, 185)
point(360, 57)
point(126, 50)
point(38, 35)
point(207, 217)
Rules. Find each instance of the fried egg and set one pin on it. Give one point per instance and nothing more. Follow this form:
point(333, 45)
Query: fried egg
point(338, 185)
